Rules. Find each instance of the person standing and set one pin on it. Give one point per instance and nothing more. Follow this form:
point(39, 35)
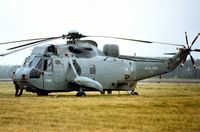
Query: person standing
point(18, 90)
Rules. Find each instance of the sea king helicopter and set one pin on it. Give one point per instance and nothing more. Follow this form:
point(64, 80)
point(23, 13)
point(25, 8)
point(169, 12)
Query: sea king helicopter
point(80, 66)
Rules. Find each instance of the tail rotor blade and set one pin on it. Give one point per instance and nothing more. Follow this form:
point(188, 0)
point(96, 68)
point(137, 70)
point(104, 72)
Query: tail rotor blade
point(193, 62)
point(194, 40)
point(186, 38)
point(197, 50)
point(183, 62)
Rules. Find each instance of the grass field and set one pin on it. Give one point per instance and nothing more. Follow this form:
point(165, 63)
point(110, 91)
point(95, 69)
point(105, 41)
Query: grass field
point(159, 107)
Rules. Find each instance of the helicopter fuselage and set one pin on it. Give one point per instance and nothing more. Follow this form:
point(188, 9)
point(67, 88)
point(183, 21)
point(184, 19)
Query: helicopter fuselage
point(59, 68)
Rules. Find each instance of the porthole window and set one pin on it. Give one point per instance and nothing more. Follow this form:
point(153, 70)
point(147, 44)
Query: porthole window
point(92, 69)
point(57, 62)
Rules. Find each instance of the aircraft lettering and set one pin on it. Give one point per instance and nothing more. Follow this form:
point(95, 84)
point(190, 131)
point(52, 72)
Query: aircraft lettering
point(151, 68)
point(47, 80)
point(147, 68)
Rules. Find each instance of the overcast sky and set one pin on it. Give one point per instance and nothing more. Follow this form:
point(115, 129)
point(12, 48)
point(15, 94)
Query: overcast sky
point(155, 20)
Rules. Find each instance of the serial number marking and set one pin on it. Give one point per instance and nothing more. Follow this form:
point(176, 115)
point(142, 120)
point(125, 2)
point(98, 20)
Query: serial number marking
point(148, 68)
point(48, 80)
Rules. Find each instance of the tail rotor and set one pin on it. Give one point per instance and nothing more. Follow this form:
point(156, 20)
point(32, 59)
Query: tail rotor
point(188, 49)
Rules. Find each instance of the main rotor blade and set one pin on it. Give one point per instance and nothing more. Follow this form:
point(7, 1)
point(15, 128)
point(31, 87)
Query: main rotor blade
point(169, 53)
point(24, 40)
point(194, 39)
point(31, 43)
point(10, 52)
point(137, 40)
point(186, 38)
point(17, 50)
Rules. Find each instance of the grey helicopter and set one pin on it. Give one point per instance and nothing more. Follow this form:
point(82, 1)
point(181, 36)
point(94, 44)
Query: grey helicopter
point(80, 66)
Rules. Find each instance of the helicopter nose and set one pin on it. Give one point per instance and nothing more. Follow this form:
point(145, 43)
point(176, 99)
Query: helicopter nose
point(22, 74)
point(24, 77)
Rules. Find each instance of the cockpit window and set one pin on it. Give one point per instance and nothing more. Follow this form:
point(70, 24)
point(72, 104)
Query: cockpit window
point(34, 62)
point(38, 63)
point(27, 62)
point(39, 66)
point(31, 61)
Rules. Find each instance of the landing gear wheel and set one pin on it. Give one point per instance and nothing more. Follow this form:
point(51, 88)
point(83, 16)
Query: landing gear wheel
point(109, 91)
point(42, 93)
point(103, 93)
point(81, 94)
point(134, 93)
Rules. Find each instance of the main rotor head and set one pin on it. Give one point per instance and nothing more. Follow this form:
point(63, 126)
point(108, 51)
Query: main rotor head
point(73, 36)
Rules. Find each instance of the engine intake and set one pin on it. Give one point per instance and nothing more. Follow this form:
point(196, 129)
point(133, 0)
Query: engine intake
point(111, 50)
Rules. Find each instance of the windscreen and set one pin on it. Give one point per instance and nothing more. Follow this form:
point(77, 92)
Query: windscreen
point(31, 61)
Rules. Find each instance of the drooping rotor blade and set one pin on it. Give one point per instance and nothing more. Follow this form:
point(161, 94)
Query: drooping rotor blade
point(169, 53)
point(194, 40)
point(35, 42)
point(17, 50)
point(186, 38)
point(24, 40)
point(137, 40)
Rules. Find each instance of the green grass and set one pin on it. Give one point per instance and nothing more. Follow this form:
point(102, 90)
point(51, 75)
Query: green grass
point(159, 107)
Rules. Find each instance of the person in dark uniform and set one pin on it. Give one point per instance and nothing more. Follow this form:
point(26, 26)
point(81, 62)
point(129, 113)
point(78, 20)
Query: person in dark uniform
point(18, 90)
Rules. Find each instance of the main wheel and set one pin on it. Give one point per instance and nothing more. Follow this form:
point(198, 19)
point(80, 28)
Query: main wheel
point(80, 94)
point(109, 91)
point(103, 92)
point(134, 93)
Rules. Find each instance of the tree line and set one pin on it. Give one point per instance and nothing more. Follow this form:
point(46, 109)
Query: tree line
point(6, 71)
point(186, 72)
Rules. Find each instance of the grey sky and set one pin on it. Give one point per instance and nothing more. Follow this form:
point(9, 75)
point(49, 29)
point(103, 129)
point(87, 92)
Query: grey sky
point(155, 20)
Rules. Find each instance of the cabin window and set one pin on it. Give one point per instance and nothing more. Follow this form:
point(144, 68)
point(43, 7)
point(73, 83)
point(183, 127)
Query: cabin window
point(57, 62)
point(92, 69)
point(47, 65)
